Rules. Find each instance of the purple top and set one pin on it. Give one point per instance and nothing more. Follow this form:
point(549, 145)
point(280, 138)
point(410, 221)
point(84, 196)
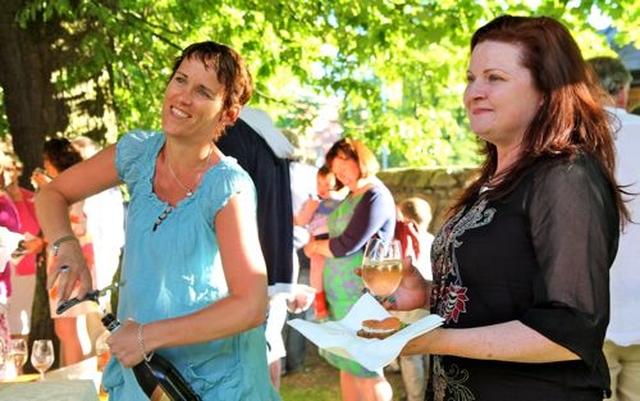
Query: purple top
point(370, 217)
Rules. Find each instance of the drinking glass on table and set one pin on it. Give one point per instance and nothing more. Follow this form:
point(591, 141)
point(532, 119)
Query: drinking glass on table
point(42, 356)
point(17, 354)
point(382, 267)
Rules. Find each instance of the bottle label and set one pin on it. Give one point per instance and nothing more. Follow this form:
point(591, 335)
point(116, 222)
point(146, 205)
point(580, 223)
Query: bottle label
point(159, 395)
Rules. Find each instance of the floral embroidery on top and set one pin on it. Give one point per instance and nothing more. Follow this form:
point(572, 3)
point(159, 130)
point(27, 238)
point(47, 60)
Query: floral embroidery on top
point(451, 381)
point(450, 295)
point(456, 298)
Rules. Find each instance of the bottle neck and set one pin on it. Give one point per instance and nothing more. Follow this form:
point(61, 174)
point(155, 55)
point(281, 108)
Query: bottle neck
point(110, 322)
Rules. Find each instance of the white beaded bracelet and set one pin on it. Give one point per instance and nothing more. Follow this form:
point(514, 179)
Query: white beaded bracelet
point(147, 357)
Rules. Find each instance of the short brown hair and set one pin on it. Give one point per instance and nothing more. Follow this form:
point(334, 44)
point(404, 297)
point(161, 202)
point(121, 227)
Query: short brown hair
point(230, 67)
point(416, 209)
point(612, 73)
point(358, 151)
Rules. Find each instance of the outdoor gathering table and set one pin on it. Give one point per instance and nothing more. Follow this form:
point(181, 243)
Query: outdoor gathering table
point(78, 382)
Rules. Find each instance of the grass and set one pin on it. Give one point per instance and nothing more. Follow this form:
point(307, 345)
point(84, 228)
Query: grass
point(319, 381)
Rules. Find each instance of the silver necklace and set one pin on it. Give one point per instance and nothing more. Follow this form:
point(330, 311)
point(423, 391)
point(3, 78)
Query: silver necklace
point(188, 190)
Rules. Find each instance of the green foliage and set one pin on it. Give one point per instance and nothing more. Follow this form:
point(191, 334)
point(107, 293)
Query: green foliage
point(397, 66)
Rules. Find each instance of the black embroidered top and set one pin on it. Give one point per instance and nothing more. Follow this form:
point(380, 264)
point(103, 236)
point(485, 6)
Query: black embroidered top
point(541, 256)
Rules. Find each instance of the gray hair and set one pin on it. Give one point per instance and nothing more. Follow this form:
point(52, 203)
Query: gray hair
point(612, 73)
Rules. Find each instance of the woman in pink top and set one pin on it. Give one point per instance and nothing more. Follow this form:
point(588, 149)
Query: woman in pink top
point(23, 201)
point(23, 278)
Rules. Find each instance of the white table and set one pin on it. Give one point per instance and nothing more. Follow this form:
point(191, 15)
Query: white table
point(48, 390)
point(78, 382)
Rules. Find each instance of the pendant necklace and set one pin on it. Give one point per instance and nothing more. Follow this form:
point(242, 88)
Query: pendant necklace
point(188, 190)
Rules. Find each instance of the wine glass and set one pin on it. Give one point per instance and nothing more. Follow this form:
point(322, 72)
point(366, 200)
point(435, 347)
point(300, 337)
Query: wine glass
point(18, 353)
point(42, 356)
point(382, 267)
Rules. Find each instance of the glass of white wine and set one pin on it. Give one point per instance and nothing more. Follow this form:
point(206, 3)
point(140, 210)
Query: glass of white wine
point(42, 356)
point(18, 353)
point(382, 267)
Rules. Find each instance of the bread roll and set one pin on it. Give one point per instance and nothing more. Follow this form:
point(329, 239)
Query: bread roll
point(380, 329)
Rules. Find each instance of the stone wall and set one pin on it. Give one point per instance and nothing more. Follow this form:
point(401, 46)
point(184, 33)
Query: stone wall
point(439, 186)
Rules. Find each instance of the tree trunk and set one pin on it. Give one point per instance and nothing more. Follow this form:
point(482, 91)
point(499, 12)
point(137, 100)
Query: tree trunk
point(28, 61)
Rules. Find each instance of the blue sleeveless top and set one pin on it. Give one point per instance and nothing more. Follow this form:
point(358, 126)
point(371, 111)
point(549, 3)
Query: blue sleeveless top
point(171, 267)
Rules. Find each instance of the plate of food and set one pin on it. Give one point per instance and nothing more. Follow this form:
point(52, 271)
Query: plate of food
point(368, 334)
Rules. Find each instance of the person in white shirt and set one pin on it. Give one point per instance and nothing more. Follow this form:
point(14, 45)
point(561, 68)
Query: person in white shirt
point(105, 223)
point(622, 345)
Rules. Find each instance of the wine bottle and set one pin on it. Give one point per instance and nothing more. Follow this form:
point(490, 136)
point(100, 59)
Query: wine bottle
point(158, 378)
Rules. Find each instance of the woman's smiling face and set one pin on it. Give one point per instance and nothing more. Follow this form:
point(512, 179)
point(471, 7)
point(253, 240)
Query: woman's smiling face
point(193, 100)
point(501, 99)
point(347, 170)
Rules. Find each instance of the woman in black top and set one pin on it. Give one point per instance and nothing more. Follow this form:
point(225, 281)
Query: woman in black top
point(521, 267)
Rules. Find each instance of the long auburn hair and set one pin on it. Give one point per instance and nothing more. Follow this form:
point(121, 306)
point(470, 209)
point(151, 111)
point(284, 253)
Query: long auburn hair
point(571, 119)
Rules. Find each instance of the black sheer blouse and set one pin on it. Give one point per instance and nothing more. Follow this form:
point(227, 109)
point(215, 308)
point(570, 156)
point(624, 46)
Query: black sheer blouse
point(540, 256)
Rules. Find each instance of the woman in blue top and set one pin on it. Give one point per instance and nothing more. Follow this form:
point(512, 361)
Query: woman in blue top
point(194, 285)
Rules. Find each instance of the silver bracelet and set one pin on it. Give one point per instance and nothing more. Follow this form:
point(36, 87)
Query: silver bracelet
point(56, 244)
point(147, 357)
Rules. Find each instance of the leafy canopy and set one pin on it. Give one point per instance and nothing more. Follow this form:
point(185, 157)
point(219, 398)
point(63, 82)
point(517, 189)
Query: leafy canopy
point(395, 69)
